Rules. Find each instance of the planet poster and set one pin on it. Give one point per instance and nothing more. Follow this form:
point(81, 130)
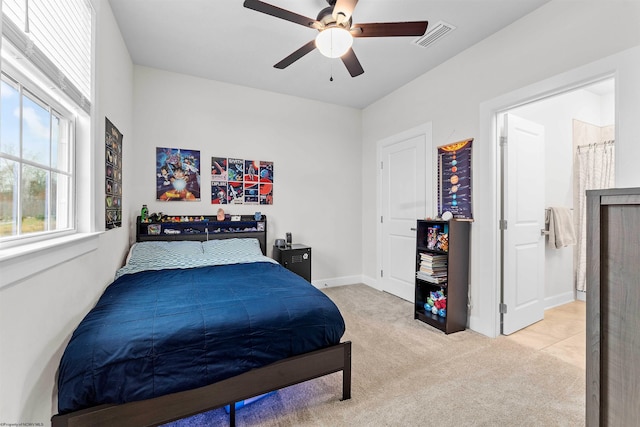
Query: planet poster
point(241, 181)
point(454, 179)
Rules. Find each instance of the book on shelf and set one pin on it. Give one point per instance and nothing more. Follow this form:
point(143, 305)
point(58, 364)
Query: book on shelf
point(429, 255)
point(432, 273)
point(431, 269)
point(431, 261)
point(437, 263)
point(438, 280)
point(437, 259)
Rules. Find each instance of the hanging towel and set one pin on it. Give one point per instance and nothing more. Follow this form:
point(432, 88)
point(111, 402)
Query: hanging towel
point(561, 230)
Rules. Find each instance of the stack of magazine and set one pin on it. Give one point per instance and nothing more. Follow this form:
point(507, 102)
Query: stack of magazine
point(433, 268)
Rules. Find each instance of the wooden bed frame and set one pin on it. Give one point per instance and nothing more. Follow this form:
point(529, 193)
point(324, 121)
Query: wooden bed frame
point(174, 406)
point(171, 407)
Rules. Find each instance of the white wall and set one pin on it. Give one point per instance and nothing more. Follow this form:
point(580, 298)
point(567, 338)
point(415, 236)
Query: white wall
point(556, 114)
point(38, 314)
point(315, 148)
point(558, 37)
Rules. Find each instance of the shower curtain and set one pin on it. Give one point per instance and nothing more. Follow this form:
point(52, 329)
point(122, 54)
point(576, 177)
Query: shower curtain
point(595, 170)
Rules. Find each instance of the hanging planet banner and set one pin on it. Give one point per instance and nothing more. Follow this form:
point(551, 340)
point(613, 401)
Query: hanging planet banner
point(454, 179)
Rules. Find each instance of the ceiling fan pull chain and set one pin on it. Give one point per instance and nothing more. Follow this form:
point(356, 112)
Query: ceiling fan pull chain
point(331, 71)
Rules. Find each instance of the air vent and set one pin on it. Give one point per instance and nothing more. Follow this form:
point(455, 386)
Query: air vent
point(438, 31)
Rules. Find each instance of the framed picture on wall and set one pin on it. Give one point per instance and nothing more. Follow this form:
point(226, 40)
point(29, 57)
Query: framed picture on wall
point(113, 175)
point(454, 179)
point(177, 174)
point(241, 181)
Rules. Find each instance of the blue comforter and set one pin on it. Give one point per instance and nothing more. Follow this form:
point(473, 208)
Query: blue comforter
point(159, 332)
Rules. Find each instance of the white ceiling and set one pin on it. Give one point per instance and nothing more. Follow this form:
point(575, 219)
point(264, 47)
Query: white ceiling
point(222, 40)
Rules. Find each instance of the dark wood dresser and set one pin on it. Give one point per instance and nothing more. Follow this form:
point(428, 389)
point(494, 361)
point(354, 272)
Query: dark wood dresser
point(613, 307)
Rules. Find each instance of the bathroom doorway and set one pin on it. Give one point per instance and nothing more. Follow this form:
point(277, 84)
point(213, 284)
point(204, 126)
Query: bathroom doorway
point(576, 121)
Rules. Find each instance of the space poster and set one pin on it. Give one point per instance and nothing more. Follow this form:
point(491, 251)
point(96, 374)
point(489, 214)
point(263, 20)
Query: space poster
point(177, 174)
point(241, 181)
point(454, 179)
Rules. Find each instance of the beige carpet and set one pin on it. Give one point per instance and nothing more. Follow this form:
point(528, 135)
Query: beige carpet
point(406, 373)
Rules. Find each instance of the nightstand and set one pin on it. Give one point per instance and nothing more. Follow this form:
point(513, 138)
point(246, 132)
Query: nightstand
point(296, 258)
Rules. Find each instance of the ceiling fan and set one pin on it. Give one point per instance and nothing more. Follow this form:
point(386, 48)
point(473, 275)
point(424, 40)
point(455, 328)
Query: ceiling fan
point(336, 31)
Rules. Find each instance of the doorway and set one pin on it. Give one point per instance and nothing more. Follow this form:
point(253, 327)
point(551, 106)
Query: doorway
point(403, 180)
point(591, 103)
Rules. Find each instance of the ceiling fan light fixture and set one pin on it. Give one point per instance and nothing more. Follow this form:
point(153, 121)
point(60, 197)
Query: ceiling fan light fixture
point(334, 42)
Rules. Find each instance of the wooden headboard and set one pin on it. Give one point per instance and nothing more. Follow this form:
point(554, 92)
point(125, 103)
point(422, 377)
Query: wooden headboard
point(202, 228)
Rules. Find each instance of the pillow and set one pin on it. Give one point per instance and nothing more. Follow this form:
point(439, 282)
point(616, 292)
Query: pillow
point(159, 255)
point(232, 247)
point(234, 251)
point(190, 254)
point(168, 248)
point(164, 254)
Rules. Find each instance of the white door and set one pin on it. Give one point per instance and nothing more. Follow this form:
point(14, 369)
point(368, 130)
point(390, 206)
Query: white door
point(404, 174)
point(524, 212)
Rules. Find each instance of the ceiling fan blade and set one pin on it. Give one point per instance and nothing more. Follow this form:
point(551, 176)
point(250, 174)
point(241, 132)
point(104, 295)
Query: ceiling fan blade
point(350, 61)
point(389, 29)
point(296, 55)
point(281, 13)
point(343, 9)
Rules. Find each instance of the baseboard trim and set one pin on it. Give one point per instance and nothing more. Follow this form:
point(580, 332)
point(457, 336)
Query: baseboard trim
point(558, 300)
point(371, 282)
point(337, 281)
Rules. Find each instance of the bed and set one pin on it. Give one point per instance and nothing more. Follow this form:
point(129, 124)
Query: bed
point(197, 324)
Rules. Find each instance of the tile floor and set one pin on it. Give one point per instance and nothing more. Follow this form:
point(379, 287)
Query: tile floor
point(562, 333)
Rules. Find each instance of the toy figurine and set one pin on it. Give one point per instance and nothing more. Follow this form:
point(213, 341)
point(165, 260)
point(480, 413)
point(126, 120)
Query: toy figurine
point(220, 215)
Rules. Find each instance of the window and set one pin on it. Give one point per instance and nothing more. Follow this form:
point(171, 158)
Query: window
point(45, 107)
point(46, 187)
point(36, 163)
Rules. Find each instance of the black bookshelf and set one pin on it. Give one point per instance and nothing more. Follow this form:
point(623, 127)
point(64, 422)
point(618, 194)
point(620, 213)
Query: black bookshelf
point(449, 245)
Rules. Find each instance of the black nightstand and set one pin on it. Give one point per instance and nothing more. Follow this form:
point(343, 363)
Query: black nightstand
point(296, 258)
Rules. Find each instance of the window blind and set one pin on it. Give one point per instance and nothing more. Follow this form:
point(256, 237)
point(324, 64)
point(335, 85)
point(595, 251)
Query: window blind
point(55, 35)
